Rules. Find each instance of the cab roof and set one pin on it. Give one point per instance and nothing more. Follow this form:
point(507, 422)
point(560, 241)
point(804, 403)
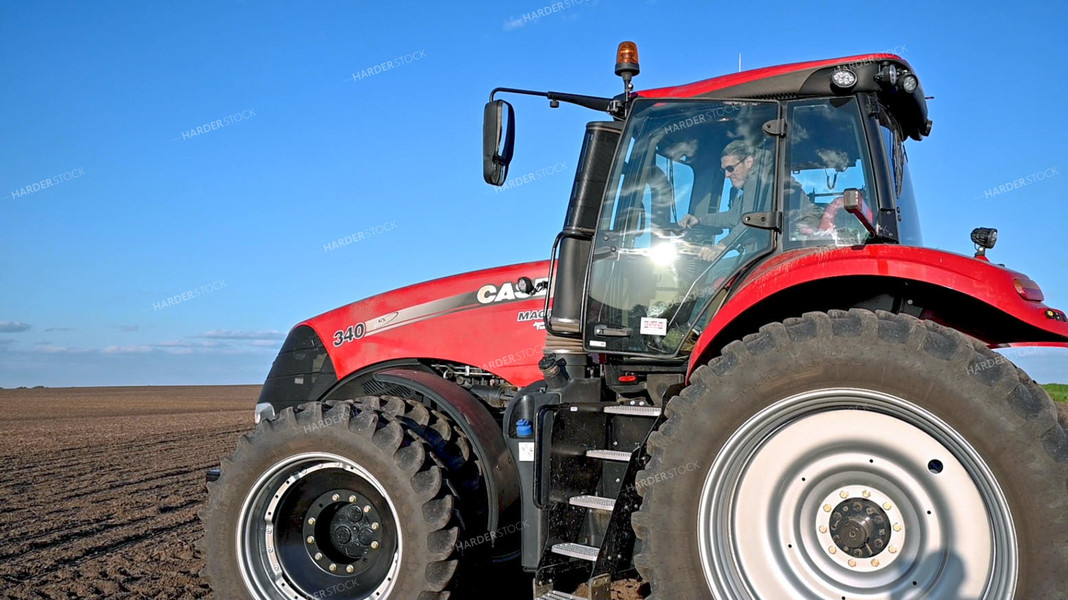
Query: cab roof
point(813, 79)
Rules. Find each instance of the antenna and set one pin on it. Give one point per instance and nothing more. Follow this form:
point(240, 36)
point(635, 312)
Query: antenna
point(739, 62)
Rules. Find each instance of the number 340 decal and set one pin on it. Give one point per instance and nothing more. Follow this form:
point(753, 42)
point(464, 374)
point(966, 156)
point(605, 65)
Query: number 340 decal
point(352, 333)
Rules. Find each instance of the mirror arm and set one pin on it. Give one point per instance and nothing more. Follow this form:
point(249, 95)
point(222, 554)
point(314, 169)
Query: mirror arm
point(592, 102)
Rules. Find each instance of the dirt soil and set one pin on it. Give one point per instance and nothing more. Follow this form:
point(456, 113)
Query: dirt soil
point(100, 489)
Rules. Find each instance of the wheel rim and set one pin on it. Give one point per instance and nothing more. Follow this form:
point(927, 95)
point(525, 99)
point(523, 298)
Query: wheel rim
point(932, 520)
point(317, 525)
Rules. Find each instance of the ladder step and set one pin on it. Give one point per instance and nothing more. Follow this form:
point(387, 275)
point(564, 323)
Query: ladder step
point(609, 455)
point(554, 595)
point(577, 551)
point(633, 411)
point(594, 502)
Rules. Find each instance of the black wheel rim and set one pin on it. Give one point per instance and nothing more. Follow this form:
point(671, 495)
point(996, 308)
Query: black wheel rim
point(318, 525)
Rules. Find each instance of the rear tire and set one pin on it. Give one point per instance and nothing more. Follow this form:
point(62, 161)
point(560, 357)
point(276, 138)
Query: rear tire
point(951, 454)
point(332, 499)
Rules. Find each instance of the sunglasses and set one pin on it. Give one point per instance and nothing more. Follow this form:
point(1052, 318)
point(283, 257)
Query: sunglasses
point(730, 168)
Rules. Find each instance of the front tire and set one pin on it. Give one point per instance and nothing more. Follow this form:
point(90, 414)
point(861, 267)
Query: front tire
point(332, 499)
point(856, 455)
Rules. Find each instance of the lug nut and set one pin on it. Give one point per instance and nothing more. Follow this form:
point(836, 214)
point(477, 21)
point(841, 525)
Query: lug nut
point(374, 525)
point(350, 568)
point(352, 499)
point(852, 563)
point(897, 526)
point(823, 529)
point(843, 494)
point(826, 508)
point(335, 497)
point(832, 549)
point(311, 520)
point(875, 562)
point(866, 494)
point(311, 540)
point(374, 545)
point(892, 549)
point(887, 505)
point(367, 508)
point(332, 567)
point(318, 556)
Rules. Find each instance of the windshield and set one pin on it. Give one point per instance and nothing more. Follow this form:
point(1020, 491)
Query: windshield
point(670, 232)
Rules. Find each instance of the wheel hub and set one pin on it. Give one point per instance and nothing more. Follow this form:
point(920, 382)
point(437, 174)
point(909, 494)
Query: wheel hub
point(343, 530)
point(860, 528)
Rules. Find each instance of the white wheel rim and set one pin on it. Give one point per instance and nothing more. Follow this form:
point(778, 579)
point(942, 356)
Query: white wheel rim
point(766, 498)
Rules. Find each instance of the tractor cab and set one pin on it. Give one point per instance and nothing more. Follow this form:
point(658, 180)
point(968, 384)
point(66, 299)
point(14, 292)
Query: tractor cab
point(688, 188)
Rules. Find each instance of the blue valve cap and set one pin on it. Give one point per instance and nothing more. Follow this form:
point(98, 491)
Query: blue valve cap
point(524, 428)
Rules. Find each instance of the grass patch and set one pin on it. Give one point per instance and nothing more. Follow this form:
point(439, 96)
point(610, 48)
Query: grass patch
point(1058, 391)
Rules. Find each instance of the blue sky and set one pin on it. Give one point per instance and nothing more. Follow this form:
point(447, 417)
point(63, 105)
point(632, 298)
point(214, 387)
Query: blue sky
point(97, 97)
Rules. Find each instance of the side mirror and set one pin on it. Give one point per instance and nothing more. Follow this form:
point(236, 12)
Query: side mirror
point(498, 141)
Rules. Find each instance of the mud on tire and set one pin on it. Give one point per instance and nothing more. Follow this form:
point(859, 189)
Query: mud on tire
point(298, 493)
point(857, 454)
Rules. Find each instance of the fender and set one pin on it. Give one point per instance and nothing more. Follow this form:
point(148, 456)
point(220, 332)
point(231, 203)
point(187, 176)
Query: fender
point(482, 431)
point(1001, 289)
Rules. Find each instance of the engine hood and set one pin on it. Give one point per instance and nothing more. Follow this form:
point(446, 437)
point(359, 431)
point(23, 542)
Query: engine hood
point(475, 318)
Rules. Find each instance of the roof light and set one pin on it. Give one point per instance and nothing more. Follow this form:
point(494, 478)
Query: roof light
point(909, 83)
point(627, 60)
point(627, 67)
point(985, 237)
point(844, 78)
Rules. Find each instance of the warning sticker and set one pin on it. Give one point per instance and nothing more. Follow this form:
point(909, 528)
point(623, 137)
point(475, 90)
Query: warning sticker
point(526, 451)
point(652, 326)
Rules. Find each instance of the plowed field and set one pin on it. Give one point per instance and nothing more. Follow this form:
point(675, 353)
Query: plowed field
point(100, 490)
point(101, 487)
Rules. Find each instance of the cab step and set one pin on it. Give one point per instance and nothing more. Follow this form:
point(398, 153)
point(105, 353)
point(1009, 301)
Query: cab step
point(579, 551)
point(616, 455)
point(633, 411)
point(554, 595)
point(594, 502)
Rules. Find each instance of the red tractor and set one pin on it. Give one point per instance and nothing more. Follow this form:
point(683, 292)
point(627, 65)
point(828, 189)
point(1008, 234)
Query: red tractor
point(739, 376)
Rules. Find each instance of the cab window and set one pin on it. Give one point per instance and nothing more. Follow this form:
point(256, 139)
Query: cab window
point(826, 157)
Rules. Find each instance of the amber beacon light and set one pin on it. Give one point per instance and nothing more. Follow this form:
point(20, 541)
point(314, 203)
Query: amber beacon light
point(627, 60)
